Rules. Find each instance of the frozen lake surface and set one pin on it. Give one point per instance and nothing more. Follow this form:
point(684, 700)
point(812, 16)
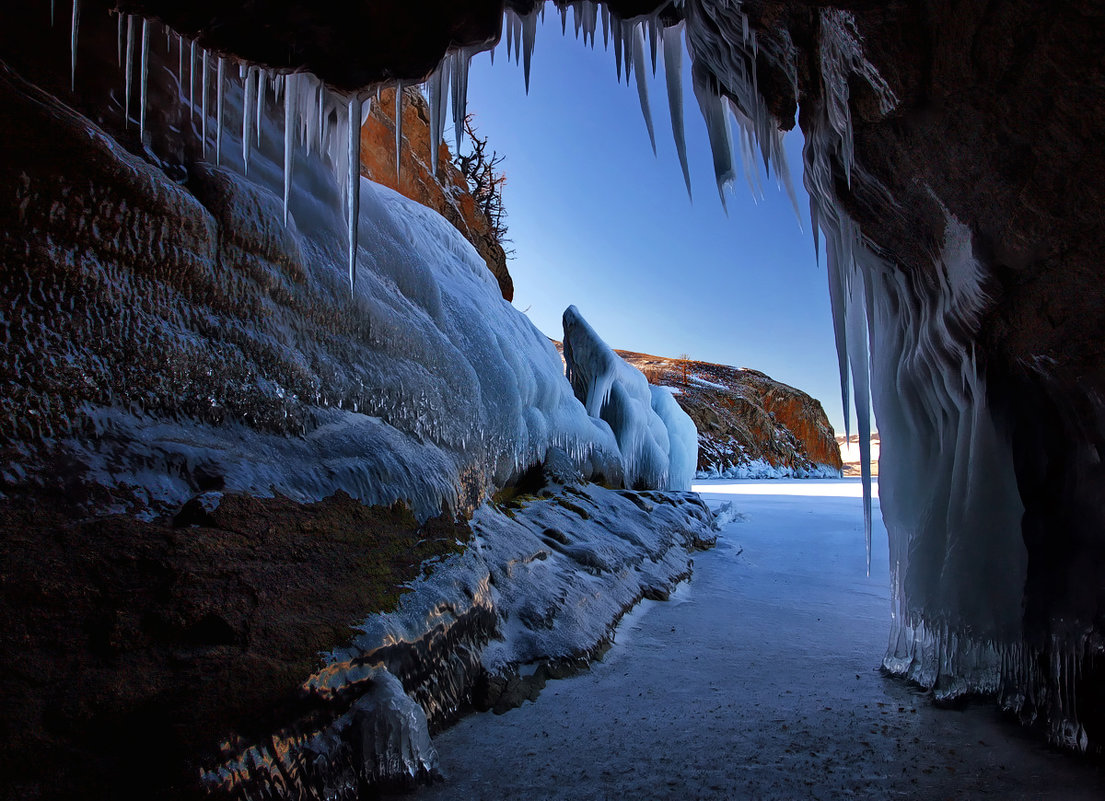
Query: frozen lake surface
point(758, 680)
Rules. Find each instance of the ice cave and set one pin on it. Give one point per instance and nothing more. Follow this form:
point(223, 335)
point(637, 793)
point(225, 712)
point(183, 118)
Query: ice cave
point(201, 296)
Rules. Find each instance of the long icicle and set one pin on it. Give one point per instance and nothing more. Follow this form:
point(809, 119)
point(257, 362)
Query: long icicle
point(353, 202)
point(220, 97)
point(205, 91)
point(398, 127)
point(247, 114)
point(529, 35)
point(128, 70)
point(289, 120)
point(143, 75)
point(180, 61)
point(460, 95)
point(119, 38)
point(262, 87)
point(673, 74)
point(73, 46)
point(192, 80)
point(642, 85)
point(436, 82)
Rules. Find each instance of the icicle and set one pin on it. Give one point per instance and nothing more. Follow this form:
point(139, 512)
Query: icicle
point(128, 70)
point(220, 96)
point(508, 23)
point(529, 34)
point(435, 91)
point(51, 13)
point(143, 79)
point(168, 41)
point(398, 126)
point(180, 60)
point(642, 85)
point(563, 20)
point(192, 79)
point(653, 24)
point(248, 114)
point(858, 345)
point(289, 119)
point(460, 95)
point(118, 35)
point(321, 108)
point(353, 200)
point(717, 128)
point(673, 74)
point(262, 87)
point(616, 35)
point(517, 22)
point(204, 94)
point(73, 46)
point(605, 26)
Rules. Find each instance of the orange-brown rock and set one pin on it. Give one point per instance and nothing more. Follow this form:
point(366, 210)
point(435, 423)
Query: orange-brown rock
point(744, 416)
point(446, 193)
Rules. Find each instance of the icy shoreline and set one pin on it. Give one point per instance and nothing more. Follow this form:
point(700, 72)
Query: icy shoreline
point(540, 590)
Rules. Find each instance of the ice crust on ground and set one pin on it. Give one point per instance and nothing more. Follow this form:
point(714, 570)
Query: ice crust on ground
point(546, 578)
point(657, 440)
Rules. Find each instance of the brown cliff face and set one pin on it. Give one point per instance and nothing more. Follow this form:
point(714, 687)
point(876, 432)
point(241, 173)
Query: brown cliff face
point(447, 193)
point(743, 416)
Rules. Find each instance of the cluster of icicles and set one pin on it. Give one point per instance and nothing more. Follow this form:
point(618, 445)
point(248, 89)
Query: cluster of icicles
point(309, 105)
point(726, 89)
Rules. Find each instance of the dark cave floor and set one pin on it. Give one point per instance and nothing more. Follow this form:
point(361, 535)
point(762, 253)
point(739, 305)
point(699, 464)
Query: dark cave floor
point(758, 680)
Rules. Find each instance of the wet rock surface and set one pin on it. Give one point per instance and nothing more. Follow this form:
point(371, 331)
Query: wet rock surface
point(132, 649)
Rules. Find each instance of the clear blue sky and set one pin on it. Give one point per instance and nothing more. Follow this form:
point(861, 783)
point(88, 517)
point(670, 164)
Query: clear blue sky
point(598, 221)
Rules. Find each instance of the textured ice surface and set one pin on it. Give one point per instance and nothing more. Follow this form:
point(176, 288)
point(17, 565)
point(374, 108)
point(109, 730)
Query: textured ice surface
point(423, 365)
point(657, 439)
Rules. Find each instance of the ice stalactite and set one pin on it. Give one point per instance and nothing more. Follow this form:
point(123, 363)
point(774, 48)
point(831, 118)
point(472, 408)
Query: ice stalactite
point(289, 129)
point(205, 88)
point(673, 76)
point(459, 73)
point(192, 79)
point(616, 36)
point(263, 80)
point(143, 78)
point(398, 128)
point(436, 91)
point(529, 35)
point(119, 37)
point(128, 70)
point(220, 99)
point(642, 86)
point(717, 129)
point(72, 43)
point(248, 112)
point(353, 189)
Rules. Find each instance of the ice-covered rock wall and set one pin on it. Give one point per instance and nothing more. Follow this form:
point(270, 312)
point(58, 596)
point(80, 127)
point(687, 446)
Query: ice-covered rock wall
point(166, 339)
point(963, 265)
point(658, 441)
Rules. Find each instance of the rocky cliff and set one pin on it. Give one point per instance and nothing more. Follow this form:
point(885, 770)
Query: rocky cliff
point(447, 193)
point(748, 423)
